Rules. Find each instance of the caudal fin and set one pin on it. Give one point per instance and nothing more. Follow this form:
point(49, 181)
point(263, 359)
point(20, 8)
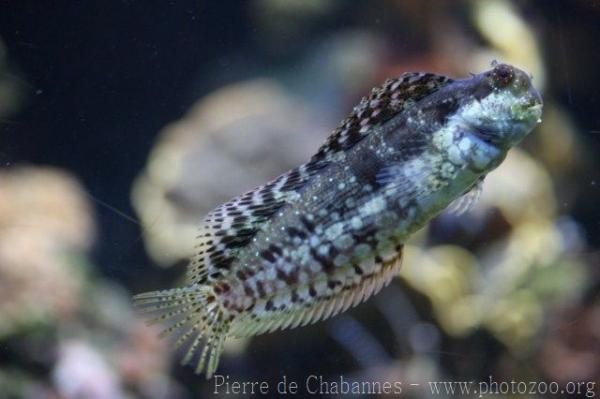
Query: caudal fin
point(196, 319)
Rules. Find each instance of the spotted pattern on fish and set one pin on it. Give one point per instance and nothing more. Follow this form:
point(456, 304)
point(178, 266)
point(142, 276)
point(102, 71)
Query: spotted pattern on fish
point(329, 234)
point(232, 225)
point(394, 96)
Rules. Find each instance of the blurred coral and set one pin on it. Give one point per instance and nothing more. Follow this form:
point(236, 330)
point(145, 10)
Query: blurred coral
point(81, 372)
point(504, 285)
point(509, 36)
point(570, 351)
point(45, 222)
point(248, 132)
point(94, 344)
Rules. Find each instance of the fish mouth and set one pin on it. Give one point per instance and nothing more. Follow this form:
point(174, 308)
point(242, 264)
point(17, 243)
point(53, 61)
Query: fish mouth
point(536, 109)
point(530, 107)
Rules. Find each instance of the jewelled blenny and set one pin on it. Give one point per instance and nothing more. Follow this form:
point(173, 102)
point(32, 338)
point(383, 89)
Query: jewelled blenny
point(328, 234)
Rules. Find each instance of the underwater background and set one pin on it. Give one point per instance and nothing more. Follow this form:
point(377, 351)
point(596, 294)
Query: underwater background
point(122, 123)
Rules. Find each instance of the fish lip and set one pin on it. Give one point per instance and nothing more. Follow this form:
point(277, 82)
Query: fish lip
point(531, 112)
point(536, 106)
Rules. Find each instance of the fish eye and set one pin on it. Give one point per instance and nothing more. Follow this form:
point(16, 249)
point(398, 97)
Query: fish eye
point(502, 75)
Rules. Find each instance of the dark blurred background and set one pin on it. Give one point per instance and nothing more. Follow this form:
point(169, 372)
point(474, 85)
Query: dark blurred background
point(123, 122)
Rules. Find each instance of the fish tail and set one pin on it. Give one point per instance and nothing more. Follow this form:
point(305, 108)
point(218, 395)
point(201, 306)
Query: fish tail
point(196, 318)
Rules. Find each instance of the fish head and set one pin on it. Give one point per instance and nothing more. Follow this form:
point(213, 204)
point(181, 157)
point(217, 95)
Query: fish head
point(500, 107)
point(503, 106)
point(493, 112)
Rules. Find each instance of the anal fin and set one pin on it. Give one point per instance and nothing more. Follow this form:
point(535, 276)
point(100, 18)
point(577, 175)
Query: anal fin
point(322, 308)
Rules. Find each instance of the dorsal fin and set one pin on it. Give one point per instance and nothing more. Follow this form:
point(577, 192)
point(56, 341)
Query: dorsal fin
point(385, 101)
point(233, 224)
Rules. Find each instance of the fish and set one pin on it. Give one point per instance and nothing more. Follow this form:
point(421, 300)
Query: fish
point(328, 234)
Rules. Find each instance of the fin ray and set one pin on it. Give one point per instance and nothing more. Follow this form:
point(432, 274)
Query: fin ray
point(196, 314)
point(326, 308)
point(465, 202)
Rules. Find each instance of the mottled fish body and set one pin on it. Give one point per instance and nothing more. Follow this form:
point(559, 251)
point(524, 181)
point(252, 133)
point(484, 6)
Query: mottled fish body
point(327, 235)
